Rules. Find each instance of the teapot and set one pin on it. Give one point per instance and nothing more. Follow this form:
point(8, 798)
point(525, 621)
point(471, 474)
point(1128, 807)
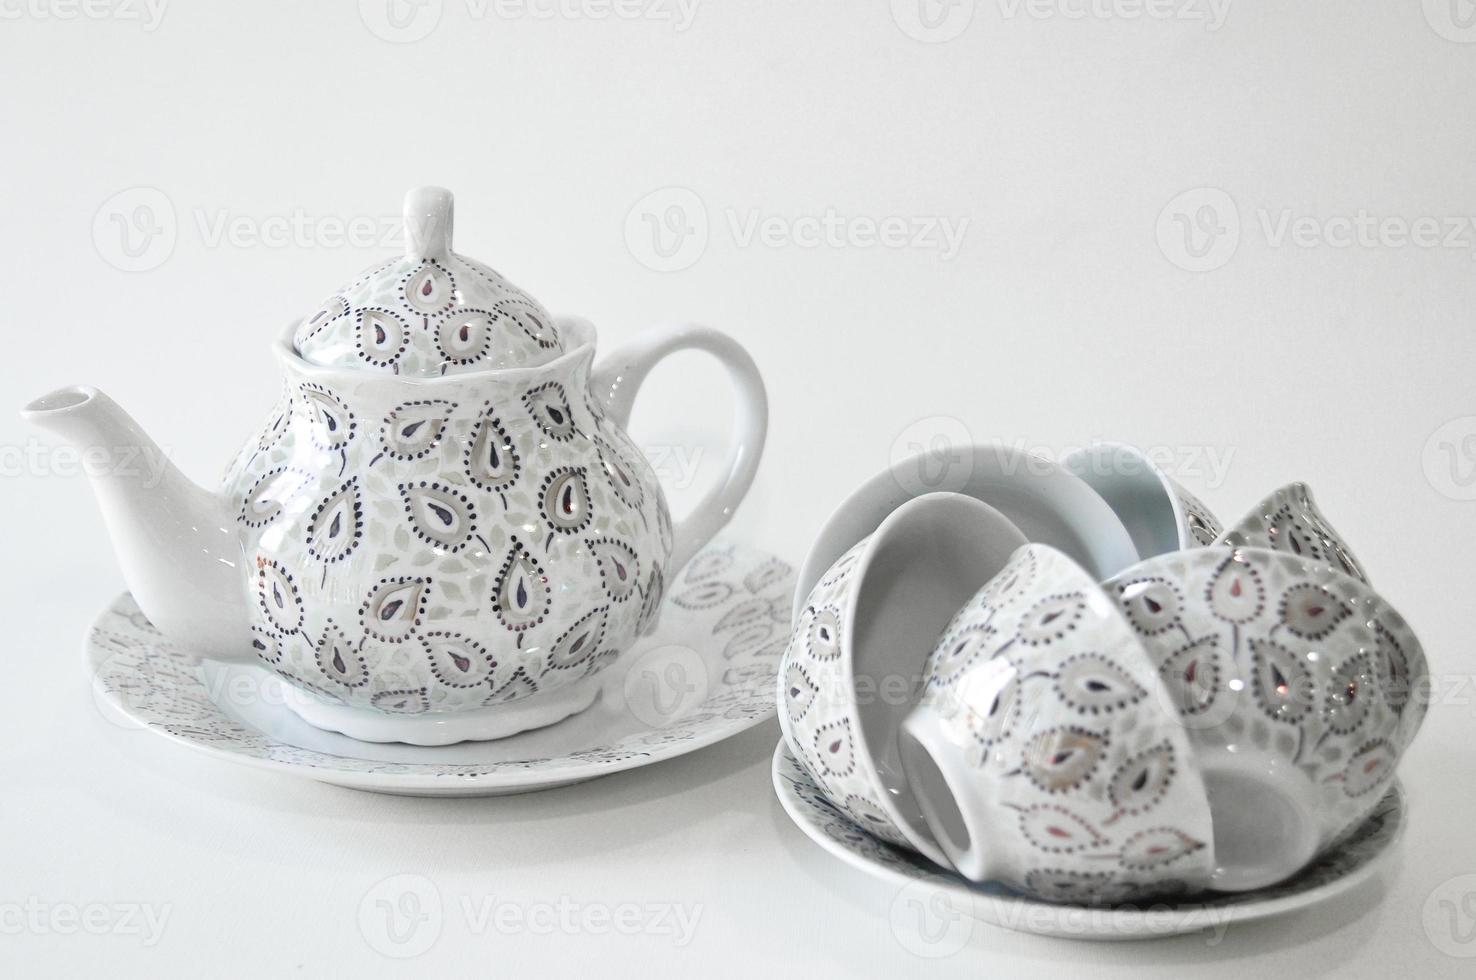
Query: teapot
point(442, 531)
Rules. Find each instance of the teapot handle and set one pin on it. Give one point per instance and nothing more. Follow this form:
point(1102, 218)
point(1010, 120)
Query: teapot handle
point(617, 379)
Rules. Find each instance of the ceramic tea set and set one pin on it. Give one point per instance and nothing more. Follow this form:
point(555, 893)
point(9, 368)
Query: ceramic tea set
point(1068, 681)
point(442, 567)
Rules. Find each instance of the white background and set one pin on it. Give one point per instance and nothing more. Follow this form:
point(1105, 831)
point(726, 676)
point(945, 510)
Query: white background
point(1074, 308)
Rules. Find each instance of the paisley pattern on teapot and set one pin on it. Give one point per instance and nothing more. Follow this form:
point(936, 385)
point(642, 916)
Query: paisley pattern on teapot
point(412, 553)
point(426, 318)
point(158, 685)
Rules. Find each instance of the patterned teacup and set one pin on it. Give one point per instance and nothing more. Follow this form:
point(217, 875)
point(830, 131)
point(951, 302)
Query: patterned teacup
point(1159, 514)
point(855, 664)
point(1046, 753)
point(1215, 717)
point(1299, 687)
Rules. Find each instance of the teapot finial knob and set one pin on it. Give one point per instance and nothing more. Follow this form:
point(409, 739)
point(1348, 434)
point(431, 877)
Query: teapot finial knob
point(428, 214)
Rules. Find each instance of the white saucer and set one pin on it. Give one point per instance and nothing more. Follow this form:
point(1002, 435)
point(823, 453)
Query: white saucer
point(708, 672)
point(929, 886)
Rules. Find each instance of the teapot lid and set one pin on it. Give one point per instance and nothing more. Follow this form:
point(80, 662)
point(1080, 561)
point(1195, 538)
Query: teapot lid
point(429, 312)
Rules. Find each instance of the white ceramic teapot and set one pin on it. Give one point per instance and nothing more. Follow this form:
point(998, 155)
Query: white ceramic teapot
point(442, 532)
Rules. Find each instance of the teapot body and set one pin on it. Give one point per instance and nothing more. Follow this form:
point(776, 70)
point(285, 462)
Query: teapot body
point(444, 544)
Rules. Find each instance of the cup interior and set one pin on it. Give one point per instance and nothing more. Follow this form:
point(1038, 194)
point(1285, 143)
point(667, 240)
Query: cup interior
point(1136, 490)
point(1263, 812)
point(1045, 501)
point(938, 798)
point(923, 564)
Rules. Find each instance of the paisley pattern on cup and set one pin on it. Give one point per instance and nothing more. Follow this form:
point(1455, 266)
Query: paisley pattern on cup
point(1059, 707)
point(1203, 526)
point(816, 701)
point(1289, 655)
point(1289, 521)
point(1045, 888)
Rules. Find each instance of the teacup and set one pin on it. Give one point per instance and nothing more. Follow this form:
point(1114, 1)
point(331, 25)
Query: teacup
point(1039, 496)
point(1289, 520)
point(1217, 718)
point(1159, 514)
point(855, 662)
point(1299, 687)
point(1046, 752)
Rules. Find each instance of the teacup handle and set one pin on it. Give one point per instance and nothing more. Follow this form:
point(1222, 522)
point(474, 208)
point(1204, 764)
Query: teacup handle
point(617, 379)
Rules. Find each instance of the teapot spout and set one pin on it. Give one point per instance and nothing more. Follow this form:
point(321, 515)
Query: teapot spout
point(177, 543)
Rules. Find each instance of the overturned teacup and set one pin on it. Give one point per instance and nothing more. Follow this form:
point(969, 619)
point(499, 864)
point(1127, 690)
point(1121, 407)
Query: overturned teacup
point(1218, 718)
point(1046, 501)
point(1159, 514)
point(1289, 520)
point(1299, 687)
point(854, 665)
point(1046, 753)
